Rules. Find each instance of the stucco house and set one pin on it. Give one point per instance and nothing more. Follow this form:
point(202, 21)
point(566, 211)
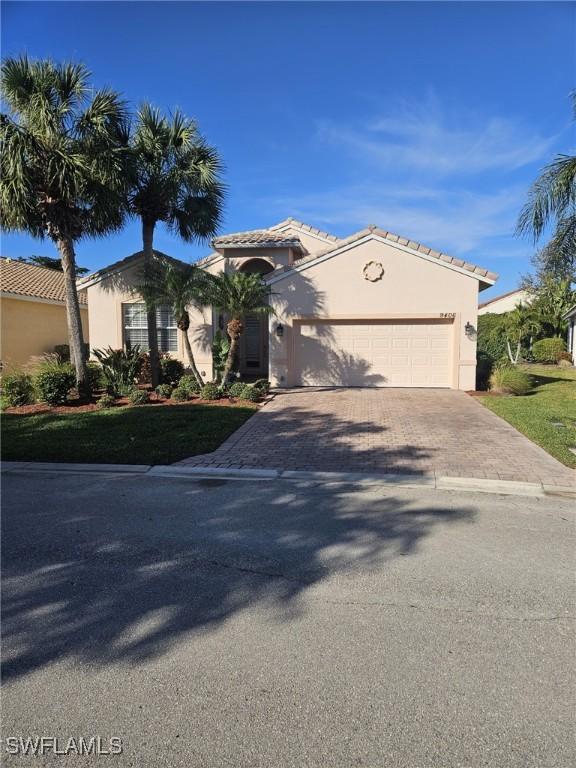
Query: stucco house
point(371, 310)
point(33, 312)
point(506, 302)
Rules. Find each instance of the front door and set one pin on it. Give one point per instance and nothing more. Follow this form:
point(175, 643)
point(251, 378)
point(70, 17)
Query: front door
point(254, 347)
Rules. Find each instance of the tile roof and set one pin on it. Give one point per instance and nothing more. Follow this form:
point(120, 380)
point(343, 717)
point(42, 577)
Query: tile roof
point(24, 279)
point(290, 222)
point(118, 266)
point(403, 241)
point(260, 238)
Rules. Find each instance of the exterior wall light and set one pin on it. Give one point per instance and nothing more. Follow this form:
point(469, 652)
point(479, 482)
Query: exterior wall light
point(279, 330)
point(470, 331)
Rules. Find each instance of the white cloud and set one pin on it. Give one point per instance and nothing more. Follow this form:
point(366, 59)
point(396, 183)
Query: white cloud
point(458, 222)
point(422, 137)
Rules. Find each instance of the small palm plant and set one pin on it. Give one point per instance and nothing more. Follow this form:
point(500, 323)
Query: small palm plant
point(61, 167)
point(520, 323)
point(175, 179)
point(236, 295)
point(181, 286)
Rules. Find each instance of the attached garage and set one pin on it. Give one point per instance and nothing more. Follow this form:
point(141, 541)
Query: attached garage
point(376, 353)
point(376, 311)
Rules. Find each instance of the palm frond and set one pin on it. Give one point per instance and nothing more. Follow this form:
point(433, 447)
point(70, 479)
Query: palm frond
point(551, 195)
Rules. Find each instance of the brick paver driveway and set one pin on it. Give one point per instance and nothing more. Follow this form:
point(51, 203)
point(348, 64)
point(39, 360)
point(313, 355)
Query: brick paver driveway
point(385, 430)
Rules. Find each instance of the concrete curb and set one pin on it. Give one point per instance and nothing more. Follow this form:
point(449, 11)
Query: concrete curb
point(429, 480)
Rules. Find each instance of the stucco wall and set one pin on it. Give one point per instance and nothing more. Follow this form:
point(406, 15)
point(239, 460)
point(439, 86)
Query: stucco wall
point(505, 303)
point(32, 328)
point(105, 300)
point(411, 287)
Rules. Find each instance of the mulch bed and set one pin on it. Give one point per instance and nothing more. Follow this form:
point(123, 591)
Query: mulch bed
point(76, 406)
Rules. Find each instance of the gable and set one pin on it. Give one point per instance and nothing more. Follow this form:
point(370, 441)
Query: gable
point(403, 246)
point(373, 279)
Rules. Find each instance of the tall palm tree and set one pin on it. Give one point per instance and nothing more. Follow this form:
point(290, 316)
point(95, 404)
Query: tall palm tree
point(61, 167)
point(175, 179)
point(181, 286)
point(552, 199)
point(236, 295)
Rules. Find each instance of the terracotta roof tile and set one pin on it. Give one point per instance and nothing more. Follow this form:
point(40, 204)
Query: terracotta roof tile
point(24, 279)
point(392, 238)
point(259, 238)
point(305, 228)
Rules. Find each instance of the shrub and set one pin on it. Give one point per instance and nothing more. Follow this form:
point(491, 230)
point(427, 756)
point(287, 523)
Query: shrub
point(139, 396)
point(62, 352)
point(119, 368)
point(164, 390)
point(95, 376)
point(509, 380)
point(220, 349)
point(172, 370)
point(189, 383)
point(54, 382)
point(179, 395)
point(262, 385)
point(106, 401)
point(548, 350)
point(236, 389)
point(484, 368)
point(492, 335)
point(250, 393)
point(210, 391)
point(144, 375)
point(566, 356)
point(563, 363)
point(17, 388)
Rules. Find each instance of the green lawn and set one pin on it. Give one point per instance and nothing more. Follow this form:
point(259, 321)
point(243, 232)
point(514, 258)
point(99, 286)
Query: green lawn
point(136, 435)
point(553, 399)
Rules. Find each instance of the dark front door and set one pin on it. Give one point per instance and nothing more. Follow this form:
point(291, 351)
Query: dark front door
point(254, 347)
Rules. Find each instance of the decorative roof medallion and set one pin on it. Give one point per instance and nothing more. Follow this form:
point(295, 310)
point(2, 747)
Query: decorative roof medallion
point(373, 271)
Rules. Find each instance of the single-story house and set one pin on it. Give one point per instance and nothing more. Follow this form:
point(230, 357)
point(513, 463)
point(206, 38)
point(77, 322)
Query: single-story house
point(506, 302)
point(33, 312)
point(372, 310)
point(570, 316)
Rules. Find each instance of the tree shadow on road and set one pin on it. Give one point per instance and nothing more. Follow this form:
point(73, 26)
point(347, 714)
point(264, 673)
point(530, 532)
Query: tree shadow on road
point(110, 570)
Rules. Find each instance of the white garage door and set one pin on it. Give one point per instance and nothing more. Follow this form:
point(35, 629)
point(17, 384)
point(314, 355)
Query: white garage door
point(386, 353)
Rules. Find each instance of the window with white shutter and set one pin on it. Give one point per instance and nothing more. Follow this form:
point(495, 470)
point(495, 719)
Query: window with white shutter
point(136, 327)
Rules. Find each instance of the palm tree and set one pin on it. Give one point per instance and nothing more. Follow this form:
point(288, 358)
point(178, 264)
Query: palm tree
point(551, 301)
point(181, 286)
point(61, 167)
point(175, 178)
point(520, 323)
point(236, 295)
point(552, 198)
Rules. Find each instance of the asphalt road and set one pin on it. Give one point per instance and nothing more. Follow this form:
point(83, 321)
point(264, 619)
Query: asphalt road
point(271, 624)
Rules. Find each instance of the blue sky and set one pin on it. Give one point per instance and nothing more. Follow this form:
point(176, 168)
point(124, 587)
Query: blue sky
point(428, 119)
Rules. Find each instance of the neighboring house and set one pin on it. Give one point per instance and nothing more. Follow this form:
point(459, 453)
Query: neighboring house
point(506, 302)
point(570, 316)
point(371, 310)
point(33, 312)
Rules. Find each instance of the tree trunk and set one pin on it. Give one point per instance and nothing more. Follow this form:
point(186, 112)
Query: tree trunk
point(73, 317)
point(183, 325)
point(148, 248)
point(509, 350)
point(234, 328)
